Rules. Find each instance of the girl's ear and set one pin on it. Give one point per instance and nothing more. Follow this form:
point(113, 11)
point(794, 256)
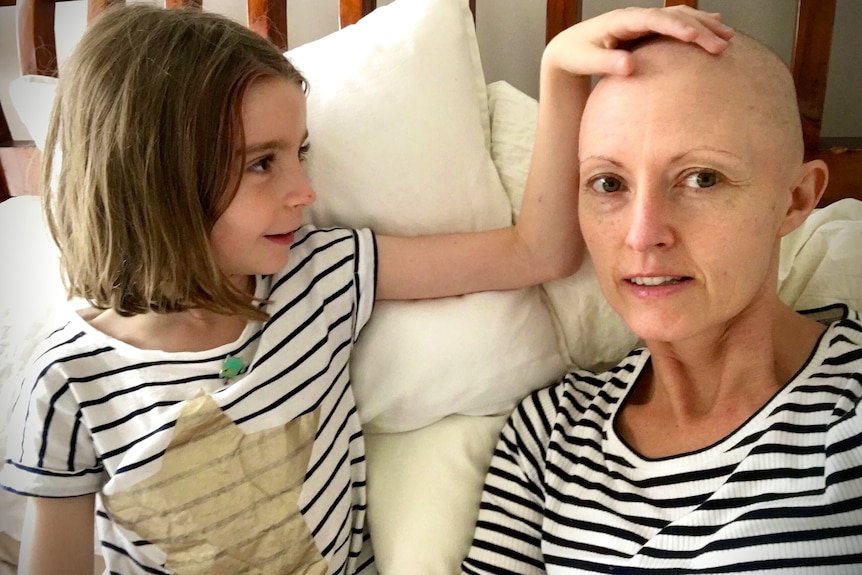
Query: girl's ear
point(806, 193)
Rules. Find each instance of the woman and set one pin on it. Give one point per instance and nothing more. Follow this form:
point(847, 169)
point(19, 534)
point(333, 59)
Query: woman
point(730, 443)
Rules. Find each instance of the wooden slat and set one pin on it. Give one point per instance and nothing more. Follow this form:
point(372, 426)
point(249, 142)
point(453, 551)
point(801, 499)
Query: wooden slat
point(845, 171)
point(810, 64)
point(350, 11)
point(692, 3)
point(37, 47)
point(560, 15)
point(5, 192)
point(5, 140)
point(197, 4)
point(19, 169)
point(96, 7)
point(269, 19)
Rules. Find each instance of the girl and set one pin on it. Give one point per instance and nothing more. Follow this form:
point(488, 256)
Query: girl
point(202, 404)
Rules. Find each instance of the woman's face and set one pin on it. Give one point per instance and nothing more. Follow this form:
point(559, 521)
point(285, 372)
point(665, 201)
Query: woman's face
point(682, 202)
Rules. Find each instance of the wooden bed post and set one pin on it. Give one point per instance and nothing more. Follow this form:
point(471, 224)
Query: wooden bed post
point(37, 46)
point(19, 164)
point(96, 7)
point(5, 142)
point(560, 15)
point(269, 19)
point(350, 11)
point(810, 64)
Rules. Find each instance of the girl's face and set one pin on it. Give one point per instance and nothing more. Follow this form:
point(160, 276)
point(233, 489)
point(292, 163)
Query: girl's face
point(254, 234)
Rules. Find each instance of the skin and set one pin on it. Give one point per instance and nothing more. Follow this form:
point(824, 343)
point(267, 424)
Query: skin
point(253, 235)
point(691, 170)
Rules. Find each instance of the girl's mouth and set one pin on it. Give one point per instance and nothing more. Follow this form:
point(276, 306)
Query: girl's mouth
point(281, 239)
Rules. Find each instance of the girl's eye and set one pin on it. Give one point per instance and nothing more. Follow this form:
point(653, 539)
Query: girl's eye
point(262, 165)
point(303, 150)
point(702, 179)
point(606, 184)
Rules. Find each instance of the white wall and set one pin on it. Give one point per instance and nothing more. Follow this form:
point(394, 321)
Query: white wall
point(511, 38)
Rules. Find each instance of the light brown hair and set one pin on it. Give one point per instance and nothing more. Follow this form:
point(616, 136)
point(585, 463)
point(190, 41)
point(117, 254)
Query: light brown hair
point(143, 155)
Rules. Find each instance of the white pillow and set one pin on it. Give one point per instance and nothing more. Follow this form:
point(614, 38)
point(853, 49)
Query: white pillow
point(29, 306)
point(424, 488)
point(32, 97)
point(591, 333)
point(398, 120)
point(398, 117)
point(821, 261)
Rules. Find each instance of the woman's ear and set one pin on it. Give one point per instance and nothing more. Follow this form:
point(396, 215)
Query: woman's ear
point(806, 193)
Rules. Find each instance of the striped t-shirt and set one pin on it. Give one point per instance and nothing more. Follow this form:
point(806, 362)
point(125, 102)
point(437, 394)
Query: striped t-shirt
point(781, 494)
point(261, 471)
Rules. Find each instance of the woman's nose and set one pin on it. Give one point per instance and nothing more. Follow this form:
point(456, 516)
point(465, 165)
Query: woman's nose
point(649, 223)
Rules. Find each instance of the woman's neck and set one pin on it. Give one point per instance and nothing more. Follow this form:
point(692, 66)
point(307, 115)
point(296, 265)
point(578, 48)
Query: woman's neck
point(697, 392)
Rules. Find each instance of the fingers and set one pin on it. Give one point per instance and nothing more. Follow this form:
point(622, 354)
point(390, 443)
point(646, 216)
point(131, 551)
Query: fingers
point(702, 28)
point(594, 46)
point(681, 22)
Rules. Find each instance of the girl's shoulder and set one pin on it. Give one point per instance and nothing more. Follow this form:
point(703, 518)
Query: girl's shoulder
point(310, 237)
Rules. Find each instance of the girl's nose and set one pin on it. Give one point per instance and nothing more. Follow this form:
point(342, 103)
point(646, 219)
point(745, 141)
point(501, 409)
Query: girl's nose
point(302, 193)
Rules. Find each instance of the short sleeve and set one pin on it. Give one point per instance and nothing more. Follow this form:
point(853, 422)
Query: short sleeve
point(365, 276)
point(49, 452)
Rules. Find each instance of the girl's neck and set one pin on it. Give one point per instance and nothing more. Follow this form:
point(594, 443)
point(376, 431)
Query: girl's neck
point(191, 330)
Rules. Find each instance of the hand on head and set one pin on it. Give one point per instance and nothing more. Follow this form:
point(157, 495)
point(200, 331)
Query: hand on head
point(593, 46)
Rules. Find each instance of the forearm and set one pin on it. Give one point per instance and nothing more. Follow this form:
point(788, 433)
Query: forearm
point(58, 536)
point(545, 243)
point(548, 223)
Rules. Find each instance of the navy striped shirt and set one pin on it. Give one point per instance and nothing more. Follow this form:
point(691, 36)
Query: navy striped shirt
point(781, 494)
point(198, 473)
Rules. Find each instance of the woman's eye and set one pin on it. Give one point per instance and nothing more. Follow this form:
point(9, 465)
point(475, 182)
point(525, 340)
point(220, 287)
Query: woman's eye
point(702, 179)
point(606, 184)
point(303, 150)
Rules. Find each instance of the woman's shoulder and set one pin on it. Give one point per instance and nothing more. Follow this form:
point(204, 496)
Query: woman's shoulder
point(834, 314)
point(580, 387)
point(841, 343)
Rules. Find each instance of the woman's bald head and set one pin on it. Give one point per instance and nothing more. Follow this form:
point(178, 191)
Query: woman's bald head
point(752, 86)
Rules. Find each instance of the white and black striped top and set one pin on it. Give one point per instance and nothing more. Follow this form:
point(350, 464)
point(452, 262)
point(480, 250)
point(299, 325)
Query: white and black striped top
point(197, 473)
point(782, 494)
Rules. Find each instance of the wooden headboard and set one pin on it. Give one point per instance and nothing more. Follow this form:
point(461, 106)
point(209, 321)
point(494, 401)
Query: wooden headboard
point(810, 65)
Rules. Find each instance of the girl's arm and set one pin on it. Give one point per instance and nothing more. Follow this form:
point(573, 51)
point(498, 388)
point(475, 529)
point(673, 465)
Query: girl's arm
point(546, 242)
point(58, 536)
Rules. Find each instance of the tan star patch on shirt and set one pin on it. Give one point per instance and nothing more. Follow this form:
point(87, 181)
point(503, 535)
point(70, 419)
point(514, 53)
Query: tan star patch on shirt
point(225, 502)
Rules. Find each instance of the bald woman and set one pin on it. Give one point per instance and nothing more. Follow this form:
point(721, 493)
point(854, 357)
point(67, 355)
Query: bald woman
point(731, 442)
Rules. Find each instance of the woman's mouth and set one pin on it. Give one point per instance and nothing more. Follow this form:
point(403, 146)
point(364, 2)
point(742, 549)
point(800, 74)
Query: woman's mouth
point(657, 280)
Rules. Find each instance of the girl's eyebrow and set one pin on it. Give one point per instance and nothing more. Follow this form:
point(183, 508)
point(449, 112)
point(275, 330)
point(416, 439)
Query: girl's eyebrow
point(277, 144)
point(265, 146)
